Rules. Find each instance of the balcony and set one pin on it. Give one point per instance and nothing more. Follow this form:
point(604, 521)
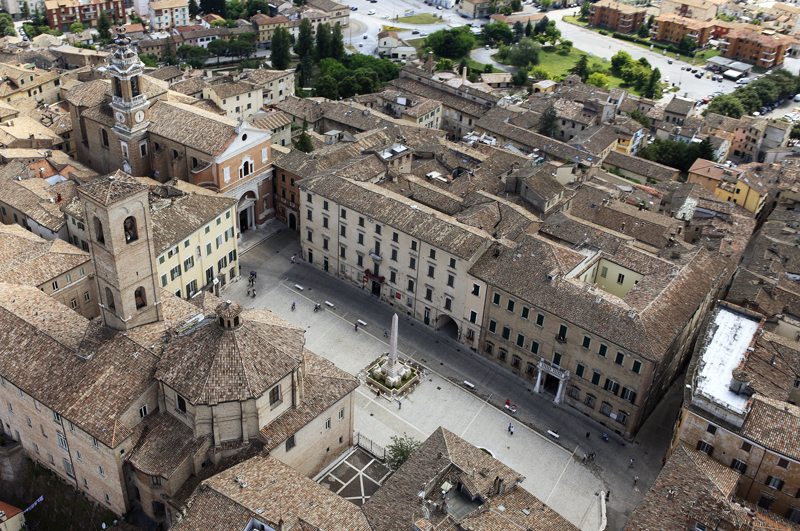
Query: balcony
point(136, 100)
point(561, 339)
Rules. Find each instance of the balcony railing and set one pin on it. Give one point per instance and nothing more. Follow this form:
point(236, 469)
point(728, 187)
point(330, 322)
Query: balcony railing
point(117, 100)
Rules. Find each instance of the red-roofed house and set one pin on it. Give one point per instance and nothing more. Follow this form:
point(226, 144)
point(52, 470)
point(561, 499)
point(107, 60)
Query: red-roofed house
point(11, 518)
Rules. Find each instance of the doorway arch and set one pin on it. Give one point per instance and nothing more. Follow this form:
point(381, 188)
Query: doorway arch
point(446, 325)
point(292, 221)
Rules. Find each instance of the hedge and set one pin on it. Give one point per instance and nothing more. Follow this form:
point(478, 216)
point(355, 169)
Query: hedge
point(633, 38)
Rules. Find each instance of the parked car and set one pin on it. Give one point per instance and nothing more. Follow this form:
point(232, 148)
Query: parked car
point(415, 32)
point(371, 12)
point(699, 75)
point(694, 70)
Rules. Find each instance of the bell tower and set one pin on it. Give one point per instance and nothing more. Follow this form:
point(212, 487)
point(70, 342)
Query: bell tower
point(130, 106)
point(117, 213)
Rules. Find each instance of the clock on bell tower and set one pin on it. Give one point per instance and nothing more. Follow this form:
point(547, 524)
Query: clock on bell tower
point(129, 104)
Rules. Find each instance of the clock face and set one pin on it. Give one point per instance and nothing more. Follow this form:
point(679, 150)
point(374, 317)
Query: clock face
point(120, 117)
point(139, 116)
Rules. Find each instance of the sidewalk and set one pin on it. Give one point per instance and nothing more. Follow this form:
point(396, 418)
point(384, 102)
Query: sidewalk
point(251, 238)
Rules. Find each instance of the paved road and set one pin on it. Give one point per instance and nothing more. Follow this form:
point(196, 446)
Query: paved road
point(482, 55)
point(453, 364)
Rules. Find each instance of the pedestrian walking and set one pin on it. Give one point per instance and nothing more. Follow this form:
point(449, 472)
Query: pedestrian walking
point(293, 305)
point(588, 434)
point(630, 463)
point(355, 327)
point(512, 430)
point(399, 404)
point(635, 480)
point(293, 258)
point(509, 428)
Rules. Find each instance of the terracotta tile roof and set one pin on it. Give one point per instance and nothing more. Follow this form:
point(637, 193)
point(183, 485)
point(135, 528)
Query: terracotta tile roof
point(112, 188)
point(227, 90)
point(448, 99)
point(9, 510)
point(262, 78)
point(166, 73)
point(774, 424)
point(691, 488)
point(647, 169)
point(263, 20)
point(89, 94)
point(645, 321)
point(163, 444)
point(33, 196)
point(271, 120)
point(495, 215)
point(442, 455)
point(517, 509)
point(192, 127)
point(394, 210)
point(324, 385)
point(274, 493)
point(26, 258)
point(214, 364)
point(193, 85)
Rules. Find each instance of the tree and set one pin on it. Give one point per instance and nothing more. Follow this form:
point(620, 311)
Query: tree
point(193, 55)
point(194, 9)
point(497, 32)
point(795, 133)
point(26, 10)
point(279, 53)
point(454, 43)
point(548, 122)
point(727, 105)
point(219, 47)
point(586, 9)
point(546, 4)
point(598, 79)
point(76, 27)
point(653, 88)
point(305, 70)
point(305, 42)
point(303, 142)
point(523, 54)
point(149, 60)
point(444, 65)
point(104, 27)
point(515, 5)
point(520, 77)
point(400, 449)
point(541, 26)
point(643, 31)
point(519, 30)
point(640, 117)
point(257, 6)
point(337, 42)
point(528, 29)
point(216, 7)
point(323, 48)
point(619, 60)
point(705, 150)
point(581, 68)
point(538, 73)
point(327, 87)
point(234, 9)
point(687, 45)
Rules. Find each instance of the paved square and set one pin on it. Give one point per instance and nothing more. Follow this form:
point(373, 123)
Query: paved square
point(552, 473)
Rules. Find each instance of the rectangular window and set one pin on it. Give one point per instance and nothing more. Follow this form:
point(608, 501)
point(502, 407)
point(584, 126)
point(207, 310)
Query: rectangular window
point(711, 429)
point(62, 440)
point(275, 395)
point(704, 447)
point(586, 341)
point(432, 254)
point(510, 305)
point(556, 359)
point(496, 299)
point(410, 284)
point(341, 414)
point(361, 238)
point(746, 446)
point(395, 237)
point(539, 319)
point(412, 263)
point(602, 350)
point(773, 482)
point(473, 316)
point(579, 370)
point(506, 332)
point(343, 231)
point(525, 312)
point(739, 466)
point(590, 401)
point(394, 255)
point(520, 340)
point(328, 423)
point(290, 443)
point(595, 378)
point(453, 263)
point(393, 277)
point(620, 278)
point(324, 205)
point(450, 281)
point(428, 294)
point(448, 304)
point(431, 271)
point(56, 418)
point(476, 290)
point(611, 386)
point(360, 221)
point(620, 358)
point(68, 468)
point(637, 366)
point(783, 463)
point(180, 403)
point(377, 229)
point(309, 236)
point(629, 395)
point(342, 252)
point(534, 347)
point(143, 411)
point(101, 471)
point(562, 333)
point(309, 215)
point(492, 329)
point(413, 245)
point(324, 222)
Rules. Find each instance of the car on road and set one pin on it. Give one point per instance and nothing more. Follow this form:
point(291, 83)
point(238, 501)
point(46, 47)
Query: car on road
point(366, 37)
point(371, 12)
point(415, 32)
point(797, 98)
point(488, 47)
point(669, 61)
point(353, 8)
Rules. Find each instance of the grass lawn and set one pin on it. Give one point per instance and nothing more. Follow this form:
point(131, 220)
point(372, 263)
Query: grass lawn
point(575, 20)
point(420, 18)
point(558, 66)
point(418, 44)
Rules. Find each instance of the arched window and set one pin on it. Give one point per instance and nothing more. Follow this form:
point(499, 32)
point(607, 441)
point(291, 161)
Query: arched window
point(98, 231)
point(140, 297)
point(129, 225)
point(246, 168)
point(110, 300)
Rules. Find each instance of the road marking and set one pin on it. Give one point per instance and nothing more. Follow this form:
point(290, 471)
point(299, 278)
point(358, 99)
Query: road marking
point(424, 435)
point(475, 417)
point(569, 462)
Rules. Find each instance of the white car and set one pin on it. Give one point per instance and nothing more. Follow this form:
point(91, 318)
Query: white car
point(371, 12)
